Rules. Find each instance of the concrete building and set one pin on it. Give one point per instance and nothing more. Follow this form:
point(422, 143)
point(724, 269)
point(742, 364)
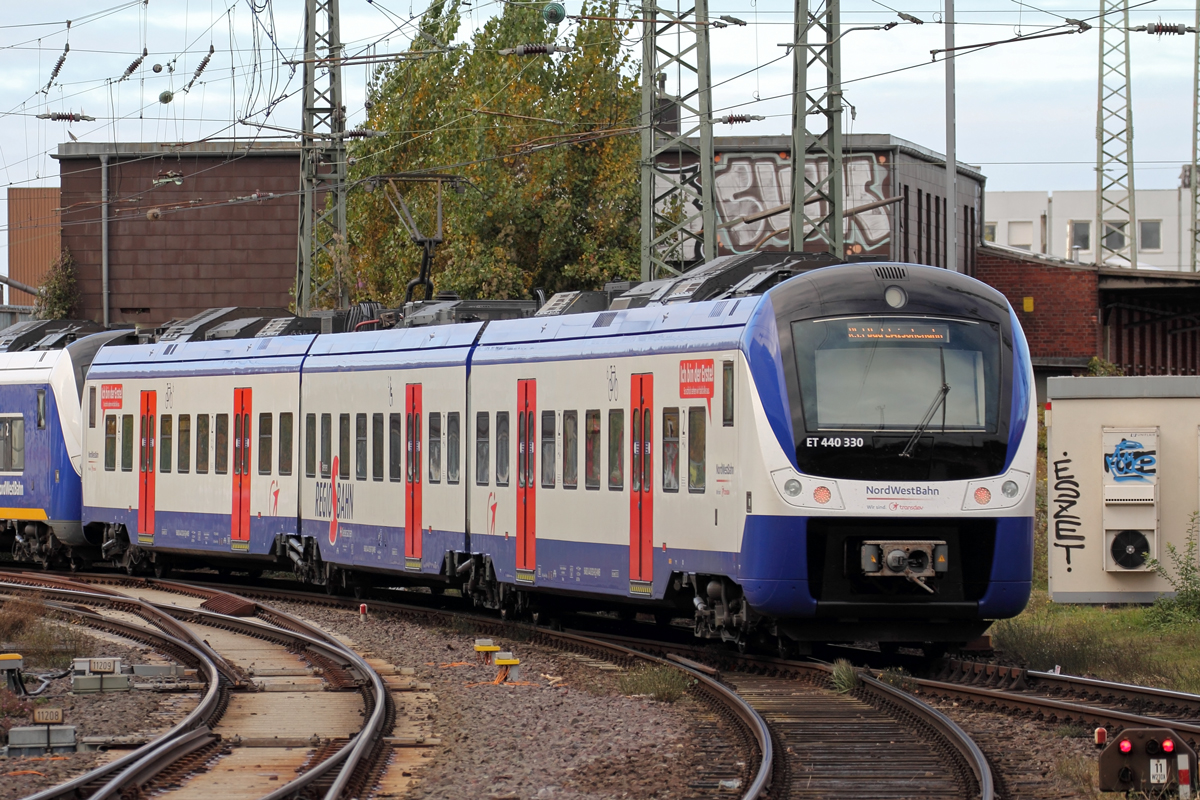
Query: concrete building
point(1060, 224)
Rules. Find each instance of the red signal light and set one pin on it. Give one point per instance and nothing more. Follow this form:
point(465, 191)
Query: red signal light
point(983, 496)
point(1125, 746)
point(1168, 745)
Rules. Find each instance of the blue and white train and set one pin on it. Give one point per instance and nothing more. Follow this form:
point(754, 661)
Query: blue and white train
point(849, 455)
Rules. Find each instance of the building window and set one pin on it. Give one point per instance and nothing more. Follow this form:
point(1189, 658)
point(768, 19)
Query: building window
point(265, 434)
point(202, 423)
point(165, 437)
point(570, 449)
point(434, 447)
point(696, 449)
point(185, 443)
point(285, 443)
point(360, 447)
point(127, 443)
point(1114, 235)
point(482, 447)
point(1081, 235)
point(1020, 235)
point(670, 450)
point(452, 441)
point(222, 436)
point(12, 444)
point(110, 442)
point(616, 449)
point(1149, 234)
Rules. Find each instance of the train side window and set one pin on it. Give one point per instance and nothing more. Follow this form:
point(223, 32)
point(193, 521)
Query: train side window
point(696, 449)
point(127, 443)
point(265, 434)
point(434, 447)
point(202, 423)
point(360, 447)
point(285, 443)
point(727, 394)
point(12, 444)
point(502, 458)
point(110, 442)
point(344, 446)
point(591, 446)
point(310, 445)
point(222, 436)
point(452, 447)
point(377, 447)
point(185, 443)
point(41, 409)
point(91, 406)
point(670, 450)
point(396, 451)
point(616, 449)
point(549, 456)
point(326, 445)
point(482, 442)
point(165, 437)
point(570, 449)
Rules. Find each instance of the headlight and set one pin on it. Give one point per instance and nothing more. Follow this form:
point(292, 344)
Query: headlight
point(792, 487)
point(1010, 488)
point(895, 296)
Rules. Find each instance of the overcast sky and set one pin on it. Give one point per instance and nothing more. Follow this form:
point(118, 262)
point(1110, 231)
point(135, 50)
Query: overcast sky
point(1026, 110)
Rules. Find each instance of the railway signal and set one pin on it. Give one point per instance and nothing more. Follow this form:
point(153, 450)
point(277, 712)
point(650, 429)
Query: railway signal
point(1148, 760)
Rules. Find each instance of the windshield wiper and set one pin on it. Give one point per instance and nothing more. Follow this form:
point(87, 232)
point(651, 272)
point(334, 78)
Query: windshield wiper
point(939, 399)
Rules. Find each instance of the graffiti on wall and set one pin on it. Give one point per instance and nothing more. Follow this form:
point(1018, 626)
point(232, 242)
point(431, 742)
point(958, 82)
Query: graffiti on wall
point(748, 183)
point(1130, 461)
point(1063, 501)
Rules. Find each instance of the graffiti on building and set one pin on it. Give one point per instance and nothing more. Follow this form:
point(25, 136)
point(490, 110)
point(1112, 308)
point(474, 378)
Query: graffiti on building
point(1130, 462)
point(745, 184)
point(1065, 498)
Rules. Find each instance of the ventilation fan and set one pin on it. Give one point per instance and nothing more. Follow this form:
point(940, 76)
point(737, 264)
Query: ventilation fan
point(1129, 549)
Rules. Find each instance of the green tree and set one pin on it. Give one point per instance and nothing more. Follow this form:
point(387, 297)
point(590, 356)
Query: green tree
point(547, 142)
point(59, 293)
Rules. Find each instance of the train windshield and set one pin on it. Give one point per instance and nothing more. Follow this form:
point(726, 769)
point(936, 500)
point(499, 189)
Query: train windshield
point(898, 374)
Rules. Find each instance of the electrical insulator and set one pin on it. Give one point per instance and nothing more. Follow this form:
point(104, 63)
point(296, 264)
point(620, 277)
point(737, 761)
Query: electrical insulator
point(137, 62)
point(735, 119)
point(66, 116)
point(554, 13)
point(531, 50)
point(1160, 29)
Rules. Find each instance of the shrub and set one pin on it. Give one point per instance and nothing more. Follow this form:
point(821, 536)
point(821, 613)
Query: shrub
point(1184, 576)
point(660, 682)
point(844, 678)
point(59, 292)
point(1098, 367)
point(898, 677)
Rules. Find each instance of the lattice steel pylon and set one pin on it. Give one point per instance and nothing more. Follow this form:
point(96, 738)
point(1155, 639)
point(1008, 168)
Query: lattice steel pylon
point(323, 149)
point(817, 199)
point(677, 175)
point(1116, 214)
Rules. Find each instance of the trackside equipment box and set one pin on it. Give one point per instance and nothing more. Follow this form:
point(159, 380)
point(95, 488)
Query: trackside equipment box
point(1123, 479)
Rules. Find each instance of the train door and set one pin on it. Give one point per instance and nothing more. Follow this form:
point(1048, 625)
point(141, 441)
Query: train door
point(239, 528)
point(412, 476)
point(149, 410)
point(526, 479)
point(641, 496)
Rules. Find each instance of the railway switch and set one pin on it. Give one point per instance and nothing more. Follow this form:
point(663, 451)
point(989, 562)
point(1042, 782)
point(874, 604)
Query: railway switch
point(1148, 760)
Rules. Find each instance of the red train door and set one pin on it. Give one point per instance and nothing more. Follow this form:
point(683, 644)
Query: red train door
point(239, 527)
point(641, 495)
point(412, 476)
point(149, 410)
point(526, 479)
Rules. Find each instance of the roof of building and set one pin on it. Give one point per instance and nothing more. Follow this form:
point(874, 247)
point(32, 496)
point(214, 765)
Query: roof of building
point(67, 150)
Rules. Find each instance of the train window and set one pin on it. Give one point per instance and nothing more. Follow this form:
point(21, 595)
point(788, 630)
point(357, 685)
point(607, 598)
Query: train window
point(222, 441)
point(110, 442)
point(670, 450)
point(265, 434)
point(727, 394)
point(202, 421)
point(396, 430)
point(285, 443)
point(127, 443)
point(165, 437)
point(435, 447)
point(310, 445)
point(360, 447)
point(591, 449)
point(326, 445)
point(377, 447)
point(237, 443)
point(570, 449)
point(185, 443)
point(616, 450)
point(41, 409)
point(344, 446)
point(548, 449)
point(452, 447)
point(91, 406)
point(482, 442)
point(502, 459)
point(696, 449)
point(12, 444)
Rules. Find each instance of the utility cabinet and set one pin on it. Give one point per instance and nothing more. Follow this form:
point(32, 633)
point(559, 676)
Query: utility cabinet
point(1123, 480)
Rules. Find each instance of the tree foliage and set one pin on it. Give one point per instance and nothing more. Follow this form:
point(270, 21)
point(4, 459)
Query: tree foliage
point(59, 293)
point(553, 197)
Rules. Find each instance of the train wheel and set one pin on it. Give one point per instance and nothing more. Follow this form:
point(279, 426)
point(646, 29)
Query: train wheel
point(161, 569)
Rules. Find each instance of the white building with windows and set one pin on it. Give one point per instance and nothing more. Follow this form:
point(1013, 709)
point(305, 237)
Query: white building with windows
point(1061, 224)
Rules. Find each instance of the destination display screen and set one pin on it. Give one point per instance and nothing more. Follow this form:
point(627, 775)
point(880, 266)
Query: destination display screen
point(865, 332)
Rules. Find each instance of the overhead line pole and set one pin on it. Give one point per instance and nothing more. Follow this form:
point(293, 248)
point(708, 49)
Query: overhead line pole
point(1116, 214)
point(951, 148)
point(1193, 225)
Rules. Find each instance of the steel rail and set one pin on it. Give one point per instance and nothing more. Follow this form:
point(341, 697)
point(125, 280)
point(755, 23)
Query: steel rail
point(1129, 690)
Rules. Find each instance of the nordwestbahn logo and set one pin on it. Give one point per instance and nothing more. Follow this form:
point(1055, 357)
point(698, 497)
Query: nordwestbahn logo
point(334, 501)
point(885, 492)
point(12, 488)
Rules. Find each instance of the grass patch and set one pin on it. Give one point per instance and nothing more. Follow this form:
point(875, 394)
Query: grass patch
point(29, 628)
point(899, 678)
point(1072, 731)
point(844, 678)
point(13, 710)
point(660, 682)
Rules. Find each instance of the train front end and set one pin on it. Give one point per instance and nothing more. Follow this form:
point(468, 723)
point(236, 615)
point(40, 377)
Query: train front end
point(900, 439)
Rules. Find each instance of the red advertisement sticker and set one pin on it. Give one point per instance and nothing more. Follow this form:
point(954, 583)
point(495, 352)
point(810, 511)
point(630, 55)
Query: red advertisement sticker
point(696, 378)
point(111, 395)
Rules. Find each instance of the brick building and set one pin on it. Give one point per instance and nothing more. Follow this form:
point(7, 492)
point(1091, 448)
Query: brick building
point(190, 227)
